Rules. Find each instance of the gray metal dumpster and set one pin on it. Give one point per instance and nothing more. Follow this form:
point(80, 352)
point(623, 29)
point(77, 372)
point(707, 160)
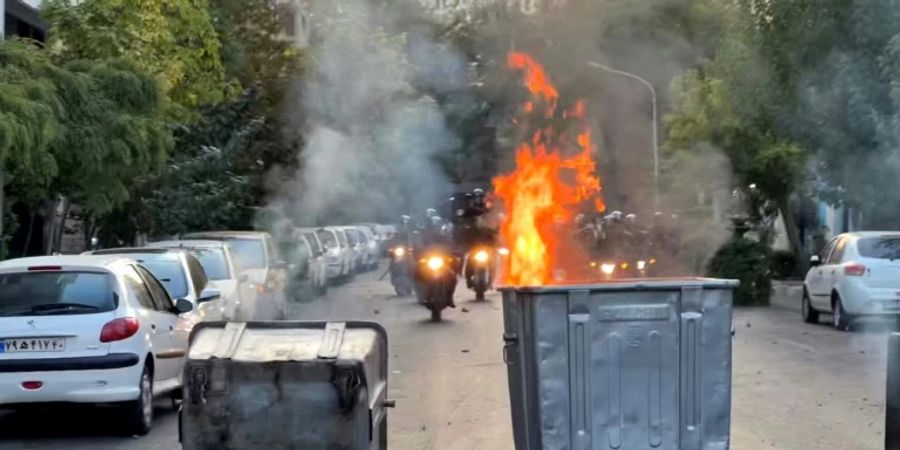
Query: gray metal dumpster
point(285, 385)
point(623, 365)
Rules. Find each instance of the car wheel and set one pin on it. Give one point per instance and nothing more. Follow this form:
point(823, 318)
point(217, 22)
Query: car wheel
point(810, 315)
point(138, 414)
point(840, 318)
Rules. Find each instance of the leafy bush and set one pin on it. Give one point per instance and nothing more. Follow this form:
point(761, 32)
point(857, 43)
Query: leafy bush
point(783, 263)
point(747, 261)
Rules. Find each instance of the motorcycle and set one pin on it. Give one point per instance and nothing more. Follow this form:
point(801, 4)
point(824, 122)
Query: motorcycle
point(479, 270)
point(400, 270)
point(435, 281)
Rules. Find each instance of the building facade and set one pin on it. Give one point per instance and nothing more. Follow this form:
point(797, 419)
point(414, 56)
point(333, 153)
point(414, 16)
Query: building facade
point(21, 18)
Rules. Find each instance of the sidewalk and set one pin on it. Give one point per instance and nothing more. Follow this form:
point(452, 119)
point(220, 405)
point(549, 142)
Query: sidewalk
point(787, 295)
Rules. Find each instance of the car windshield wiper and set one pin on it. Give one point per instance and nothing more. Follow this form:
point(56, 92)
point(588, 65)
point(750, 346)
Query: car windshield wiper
point(61, 307)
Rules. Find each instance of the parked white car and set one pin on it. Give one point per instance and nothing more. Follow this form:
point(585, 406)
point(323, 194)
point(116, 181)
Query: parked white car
point(318, 262)
point(856, 274)
point(220, 264)
point(371, 246)
point(89, 329)
point(354, 240)
point(340, 255)
point(180, 273)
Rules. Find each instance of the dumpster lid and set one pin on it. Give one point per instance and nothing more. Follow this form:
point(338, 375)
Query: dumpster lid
point(286, 341)
point(631, 284)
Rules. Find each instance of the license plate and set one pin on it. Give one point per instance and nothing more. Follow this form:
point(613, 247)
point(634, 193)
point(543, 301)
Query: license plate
point(32, 345)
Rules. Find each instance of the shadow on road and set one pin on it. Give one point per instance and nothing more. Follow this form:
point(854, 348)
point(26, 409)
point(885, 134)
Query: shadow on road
point(69, 421)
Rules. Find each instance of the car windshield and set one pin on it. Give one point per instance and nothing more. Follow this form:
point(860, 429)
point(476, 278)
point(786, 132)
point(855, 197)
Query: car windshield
point(170, 273)
point(886, 247)
point(313, 242)
point(42, 293)
point(250, 253)
point(213, 261)
point(327, 238)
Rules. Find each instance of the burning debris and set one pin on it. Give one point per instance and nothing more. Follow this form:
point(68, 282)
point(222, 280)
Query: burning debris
point(555, 178)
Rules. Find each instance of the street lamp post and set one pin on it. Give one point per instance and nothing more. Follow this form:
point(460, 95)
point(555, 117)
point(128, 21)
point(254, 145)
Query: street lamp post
point(649, 86)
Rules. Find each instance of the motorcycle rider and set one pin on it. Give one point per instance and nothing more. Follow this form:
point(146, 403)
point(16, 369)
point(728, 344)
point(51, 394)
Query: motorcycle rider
point(433, 237)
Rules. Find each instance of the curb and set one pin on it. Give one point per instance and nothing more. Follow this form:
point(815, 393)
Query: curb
point(786, 295)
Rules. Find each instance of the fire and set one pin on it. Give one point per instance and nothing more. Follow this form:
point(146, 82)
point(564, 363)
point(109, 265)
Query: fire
point(548, 187)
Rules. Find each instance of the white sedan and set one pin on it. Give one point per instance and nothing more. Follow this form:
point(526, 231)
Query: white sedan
point(857, 274)
point(89, 329)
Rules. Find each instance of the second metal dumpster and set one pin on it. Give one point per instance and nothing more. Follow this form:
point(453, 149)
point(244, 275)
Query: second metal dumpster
point(285, 385)
point(625, 365)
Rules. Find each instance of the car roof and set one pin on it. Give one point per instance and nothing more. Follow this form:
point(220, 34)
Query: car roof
point(99, 261)
point(188, 243)
point(134, 252)
point(226, 234)
point(868, 234)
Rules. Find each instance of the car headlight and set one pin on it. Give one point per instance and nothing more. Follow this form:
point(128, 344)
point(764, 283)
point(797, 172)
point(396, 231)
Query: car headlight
point(641, 265)
point(435, 262)
point(399, 252)
point(481, 256)
point(608, 268)
point(503, 251)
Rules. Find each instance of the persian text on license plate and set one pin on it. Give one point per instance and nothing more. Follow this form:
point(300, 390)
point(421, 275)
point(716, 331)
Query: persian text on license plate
point(32, 345)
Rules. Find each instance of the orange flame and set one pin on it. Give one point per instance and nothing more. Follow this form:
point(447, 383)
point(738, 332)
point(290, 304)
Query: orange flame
point(546, 190)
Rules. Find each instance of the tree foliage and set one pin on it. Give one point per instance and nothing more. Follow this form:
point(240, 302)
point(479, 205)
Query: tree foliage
point(84, 130)
point(174, 40)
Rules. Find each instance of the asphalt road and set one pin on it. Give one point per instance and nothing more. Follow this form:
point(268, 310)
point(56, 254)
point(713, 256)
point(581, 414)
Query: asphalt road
point(796, 386)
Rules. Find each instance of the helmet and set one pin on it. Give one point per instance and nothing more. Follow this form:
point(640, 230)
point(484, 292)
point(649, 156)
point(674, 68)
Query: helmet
point(631, 218)
point(436, 221)
point(478, 192)
point(615, 216)
point(404, 219)
point(430, 212)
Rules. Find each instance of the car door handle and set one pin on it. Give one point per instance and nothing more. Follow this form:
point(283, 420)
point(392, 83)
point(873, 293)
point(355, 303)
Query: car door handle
point(153, 326)
point(171, 328)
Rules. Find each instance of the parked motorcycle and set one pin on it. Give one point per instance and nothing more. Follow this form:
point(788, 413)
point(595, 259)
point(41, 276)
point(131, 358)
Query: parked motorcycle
point(401, 270)
point(480, 270)
point(435, 281)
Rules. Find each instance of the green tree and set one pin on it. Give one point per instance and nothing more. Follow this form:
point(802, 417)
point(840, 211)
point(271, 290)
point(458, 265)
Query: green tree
point(174, 40)
point(79, 131)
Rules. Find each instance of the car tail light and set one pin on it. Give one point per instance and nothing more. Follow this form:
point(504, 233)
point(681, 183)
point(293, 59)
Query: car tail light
point(32, 385)
point(119, 329)
point(44, 268)
point(855, 270)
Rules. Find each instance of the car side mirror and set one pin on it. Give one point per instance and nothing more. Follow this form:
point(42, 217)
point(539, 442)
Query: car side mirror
point(209, 294)
point(183, 306)
point(814, 260)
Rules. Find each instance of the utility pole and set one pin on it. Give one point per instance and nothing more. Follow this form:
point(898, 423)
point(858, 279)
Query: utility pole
point(654, 136)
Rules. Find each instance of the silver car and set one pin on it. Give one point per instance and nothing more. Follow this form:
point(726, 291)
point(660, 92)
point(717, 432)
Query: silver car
point(220, 264)
point(318, 259)
point(337, 255)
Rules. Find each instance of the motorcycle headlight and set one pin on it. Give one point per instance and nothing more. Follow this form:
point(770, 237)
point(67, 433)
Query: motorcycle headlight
point(641, 265)
point(608, 268)
point(399, 252)
point(435, 262)
point(503, 251)
point(481, 256)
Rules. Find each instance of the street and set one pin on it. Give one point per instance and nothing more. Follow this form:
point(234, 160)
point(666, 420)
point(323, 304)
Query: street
point(796, 386)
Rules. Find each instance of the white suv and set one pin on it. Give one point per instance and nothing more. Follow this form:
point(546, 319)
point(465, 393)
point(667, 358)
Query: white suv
point(89, 329)
point(856, 274)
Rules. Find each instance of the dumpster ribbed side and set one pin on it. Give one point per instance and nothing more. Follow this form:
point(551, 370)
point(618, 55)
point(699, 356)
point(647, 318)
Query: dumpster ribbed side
point(646, 366)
